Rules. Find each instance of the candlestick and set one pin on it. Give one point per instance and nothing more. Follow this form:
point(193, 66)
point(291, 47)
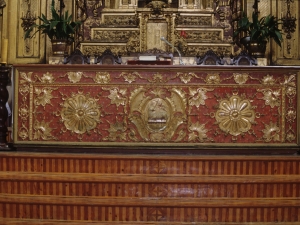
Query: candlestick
point(4, 48)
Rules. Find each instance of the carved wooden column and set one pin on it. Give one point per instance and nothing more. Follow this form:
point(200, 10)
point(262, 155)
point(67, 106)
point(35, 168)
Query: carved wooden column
point(4, 78)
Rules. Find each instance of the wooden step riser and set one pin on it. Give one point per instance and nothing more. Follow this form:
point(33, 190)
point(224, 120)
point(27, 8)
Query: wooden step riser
point(139, 164)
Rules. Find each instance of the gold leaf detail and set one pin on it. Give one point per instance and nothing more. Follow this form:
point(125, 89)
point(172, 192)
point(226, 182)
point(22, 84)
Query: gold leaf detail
point(47, 78)
point(213, 78)
point(43, 96)
point(74, 77)
point(271, 132)
point(102, 78)
point(268, 80)
point(198, 96)
point(116, 96)
point(201, 131)
point(271, 97)
point(42, 131)
point(235, 115)
point(80, 113)
point(240, 78)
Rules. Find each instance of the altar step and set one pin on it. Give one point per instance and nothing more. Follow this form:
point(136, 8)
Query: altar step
point(53, 188)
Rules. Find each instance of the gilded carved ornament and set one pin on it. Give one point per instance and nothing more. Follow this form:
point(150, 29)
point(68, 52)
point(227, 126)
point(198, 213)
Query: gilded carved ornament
point(117, 131)
point(102, 78)
point(186, 77)
point(43, 96)
point(198, 132)
point(198, 96)
point(271, 97)
point(117, 96)
point(42, 131)
point(271, 132)
point(130, 77)
point(80, 113)
point(235, 115)
point(157, 114)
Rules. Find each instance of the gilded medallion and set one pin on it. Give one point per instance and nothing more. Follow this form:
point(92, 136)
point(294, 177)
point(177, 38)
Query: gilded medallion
point(235, 115)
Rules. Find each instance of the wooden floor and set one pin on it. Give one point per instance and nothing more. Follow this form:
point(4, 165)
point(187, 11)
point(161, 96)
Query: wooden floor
point(73, 188)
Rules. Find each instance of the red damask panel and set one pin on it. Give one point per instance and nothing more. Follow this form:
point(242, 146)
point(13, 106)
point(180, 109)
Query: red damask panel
point(155, 105)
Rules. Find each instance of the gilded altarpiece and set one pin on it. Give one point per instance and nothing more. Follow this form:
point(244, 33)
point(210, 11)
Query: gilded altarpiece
point(155, 106)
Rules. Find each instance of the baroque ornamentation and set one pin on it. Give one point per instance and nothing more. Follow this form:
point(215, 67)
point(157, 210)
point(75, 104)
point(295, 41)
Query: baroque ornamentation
point(198, 132)
point(113, 35)
point(102, 78)
point(203, 36)
point(117, 96)
point(42, 131)
point(213, 78)
point(193, 20)
point(235, 115)
point(268, 80)
point(129, 77)
point(271, 132)
point(120, 20)
point(47, 78)
point(74, 77)
point(156, 116)
point(240, 78)
point(80, 113)
point(43, 96)
point(198, 96)
point(186, 77)
point(271, 97)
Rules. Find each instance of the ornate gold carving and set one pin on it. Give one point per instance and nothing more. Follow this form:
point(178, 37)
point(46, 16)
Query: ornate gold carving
point(271, 97)
point(213, 78)
point(74, 77)
point(200, 49)
point(185, 20)
point(155, 115)
point(203, 35)
point(235, 115)
point(102, 78)
point(241, 78)
point(186, 77)
point(47, 78)
point(157, 7)
point(80, 113)
point(268, 80)
point(198, 96)
point(290, 84)
point(120, 20)
point(99, 49)
point(42, 131)
point(26, 78)
point(271, 132)
point(198, 132)
point(113, 35)
point(117, 132)
point(117, 96)
point(129, 77)
point(43, 96)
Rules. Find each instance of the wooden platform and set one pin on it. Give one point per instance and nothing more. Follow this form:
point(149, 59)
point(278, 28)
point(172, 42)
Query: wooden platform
point(71, 188)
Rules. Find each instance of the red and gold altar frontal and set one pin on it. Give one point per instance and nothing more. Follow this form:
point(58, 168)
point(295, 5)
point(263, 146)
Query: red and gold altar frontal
point(92, 105)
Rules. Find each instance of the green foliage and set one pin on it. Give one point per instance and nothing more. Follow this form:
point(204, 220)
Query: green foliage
point(57, 28)
point(260, 30)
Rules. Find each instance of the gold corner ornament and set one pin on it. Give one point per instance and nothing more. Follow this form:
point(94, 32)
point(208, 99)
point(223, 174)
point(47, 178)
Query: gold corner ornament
point(157, 115)
point(80, 113)
point(235, 115)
